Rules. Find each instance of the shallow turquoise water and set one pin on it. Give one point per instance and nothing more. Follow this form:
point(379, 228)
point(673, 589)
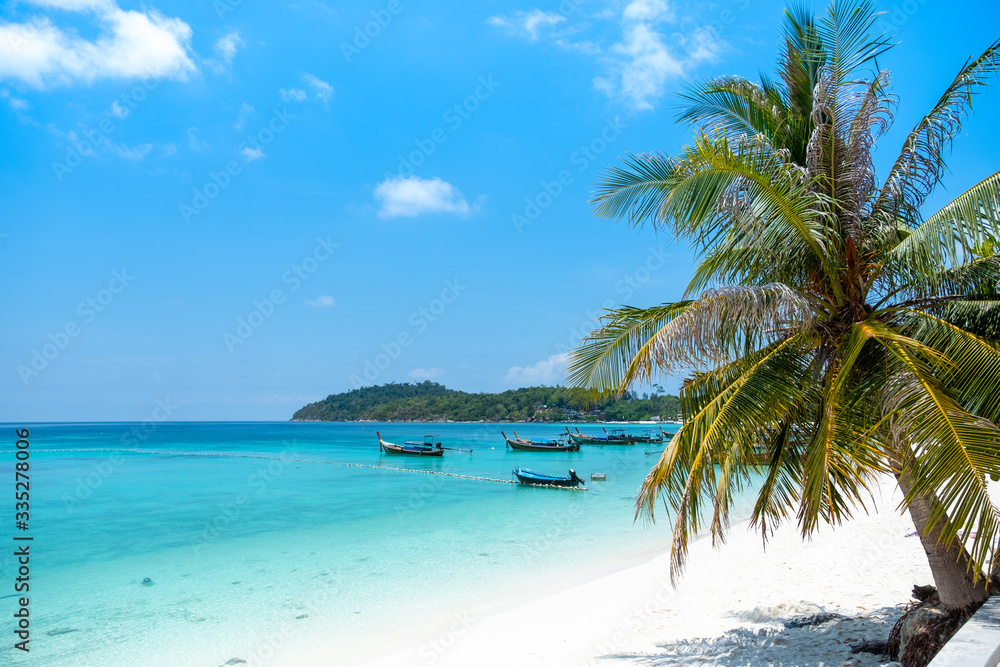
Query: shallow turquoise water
point(247, 556)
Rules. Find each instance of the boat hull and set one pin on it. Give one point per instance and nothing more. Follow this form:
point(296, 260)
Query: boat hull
point(525, 476)
point(410, 451)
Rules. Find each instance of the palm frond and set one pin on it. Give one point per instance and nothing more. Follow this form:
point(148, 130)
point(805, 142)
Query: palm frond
point(974, 370)
point(954, 450)
point(620, 353)
point(946, 239)
point(920, 164)
point(846, 33)
point(721, 324)
point(740, 107)
point(726, 413)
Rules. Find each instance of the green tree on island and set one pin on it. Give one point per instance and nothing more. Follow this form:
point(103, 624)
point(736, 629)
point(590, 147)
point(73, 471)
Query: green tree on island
point(832, 330)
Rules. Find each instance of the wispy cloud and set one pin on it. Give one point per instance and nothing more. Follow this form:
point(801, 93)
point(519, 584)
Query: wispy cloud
point(546, 371)
point(118, 111)
point(292, 94)
point(91, 144)
point(241, 118)
point(194, 142)
point(19, 106)
point(410, 196)
point(227, 46)
point(638, 61)
point(527, 23)
point(15, 103)
point(225, 51)
point(130, 45)
point(324, 301)
point(250, 153)
point(642, 64)
point(132, 152)
point(323, 91)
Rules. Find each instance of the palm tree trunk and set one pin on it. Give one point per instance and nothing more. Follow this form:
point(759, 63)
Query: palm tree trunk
point(949, 562)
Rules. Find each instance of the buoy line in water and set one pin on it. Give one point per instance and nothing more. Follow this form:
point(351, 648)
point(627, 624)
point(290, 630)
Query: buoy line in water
point(279, 458)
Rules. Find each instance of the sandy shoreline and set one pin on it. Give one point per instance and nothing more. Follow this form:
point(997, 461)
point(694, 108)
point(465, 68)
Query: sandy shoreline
point(732, 606)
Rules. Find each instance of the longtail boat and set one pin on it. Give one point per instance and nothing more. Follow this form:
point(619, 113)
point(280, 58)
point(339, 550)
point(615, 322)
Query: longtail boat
point(525, 476)
point(649, 436)
point(616, 437)
point(413, 447)
point(539, 445)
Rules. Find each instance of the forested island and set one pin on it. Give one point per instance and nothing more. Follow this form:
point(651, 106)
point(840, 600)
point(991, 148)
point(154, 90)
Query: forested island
point(430, 401)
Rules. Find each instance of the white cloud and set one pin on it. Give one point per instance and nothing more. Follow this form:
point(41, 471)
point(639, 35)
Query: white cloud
point(194, 142)
point(639, 61)
point(324, 301)
point(292, 95)
point(227, 45)
point(16, 103)
point(410, 196)
point(426, 373)
point(547, 371)
point(132, 152)
point(323, 90)
point(644, 67)
point(92, 144)
point(241, 118)
point(528, 23)
point(131, 45)
point(250, 153)
point(225, 51)
point(169, 149)
point(76, 5)
point(646, 10)
point(118, 111)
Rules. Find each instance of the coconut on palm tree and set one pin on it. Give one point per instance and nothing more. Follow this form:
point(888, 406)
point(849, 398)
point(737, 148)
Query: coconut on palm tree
point(833, 330)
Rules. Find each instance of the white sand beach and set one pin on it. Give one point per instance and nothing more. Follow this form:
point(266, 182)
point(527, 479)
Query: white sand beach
point(735, 606)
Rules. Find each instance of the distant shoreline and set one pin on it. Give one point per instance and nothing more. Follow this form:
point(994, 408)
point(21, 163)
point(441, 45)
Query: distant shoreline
point(480, 421)
point(433, 402)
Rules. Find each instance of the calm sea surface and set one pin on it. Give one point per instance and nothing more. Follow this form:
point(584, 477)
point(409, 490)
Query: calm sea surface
point(245, 557)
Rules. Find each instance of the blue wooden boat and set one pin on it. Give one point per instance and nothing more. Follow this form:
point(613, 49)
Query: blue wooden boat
point(525, 476)
point(412, 447)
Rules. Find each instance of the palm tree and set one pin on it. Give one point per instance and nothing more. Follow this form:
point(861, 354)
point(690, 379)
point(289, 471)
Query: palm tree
point(832, 332)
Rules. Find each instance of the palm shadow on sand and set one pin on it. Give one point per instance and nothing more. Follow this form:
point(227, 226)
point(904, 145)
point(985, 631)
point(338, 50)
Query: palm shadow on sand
point(820, 640)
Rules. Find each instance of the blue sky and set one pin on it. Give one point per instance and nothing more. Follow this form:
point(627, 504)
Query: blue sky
point(231, 208)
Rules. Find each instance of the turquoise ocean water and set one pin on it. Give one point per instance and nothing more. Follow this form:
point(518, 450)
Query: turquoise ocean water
point(246, 556)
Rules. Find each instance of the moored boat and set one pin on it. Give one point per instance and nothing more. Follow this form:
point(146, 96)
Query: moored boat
point(615, 437)
point(648, 436)
point(412, 447)
point(539, 445)
point(525, 476)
